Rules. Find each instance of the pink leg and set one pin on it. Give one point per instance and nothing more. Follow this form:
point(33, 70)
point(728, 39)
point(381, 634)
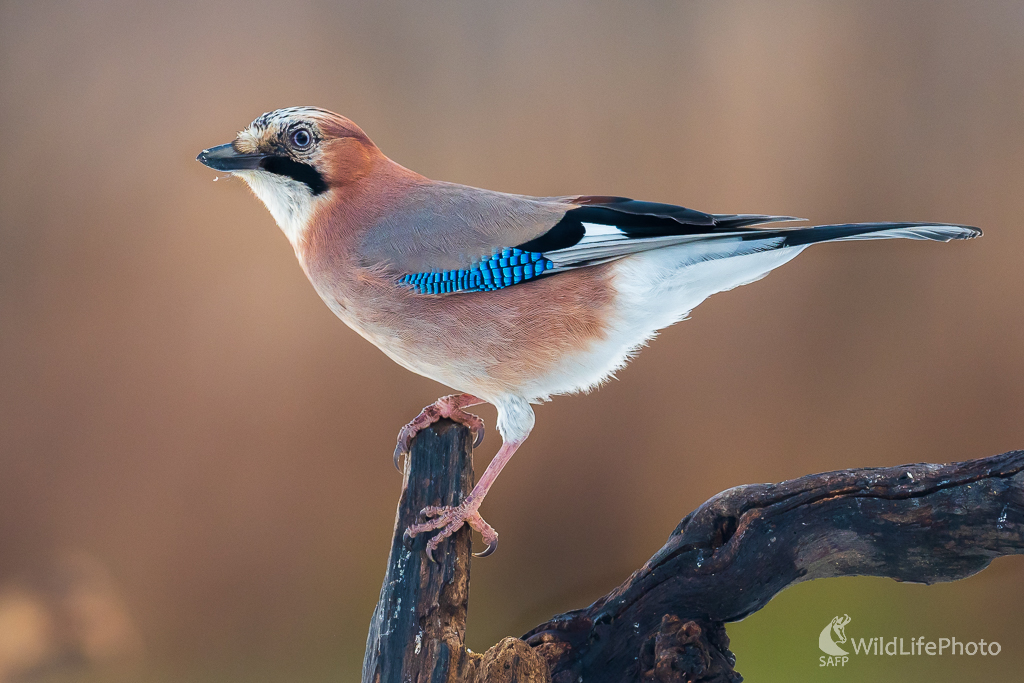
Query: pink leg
point(447, 406)
point(451, 519)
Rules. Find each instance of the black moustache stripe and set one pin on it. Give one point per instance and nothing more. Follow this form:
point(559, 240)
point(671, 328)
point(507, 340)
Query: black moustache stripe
point(304, 173)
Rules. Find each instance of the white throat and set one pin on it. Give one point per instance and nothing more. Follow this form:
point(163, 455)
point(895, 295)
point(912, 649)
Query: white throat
point(289, 201)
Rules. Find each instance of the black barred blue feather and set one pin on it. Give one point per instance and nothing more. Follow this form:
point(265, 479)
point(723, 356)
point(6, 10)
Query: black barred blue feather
point(506, 268)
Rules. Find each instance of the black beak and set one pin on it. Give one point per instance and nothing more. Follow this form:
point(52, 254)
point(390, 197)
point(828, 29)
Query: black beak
point(225, 158)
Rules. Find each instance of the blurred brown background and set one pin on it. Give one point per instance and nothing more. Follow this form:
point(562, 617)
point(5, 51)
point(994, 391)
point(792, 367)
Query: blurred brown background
point(195, 455)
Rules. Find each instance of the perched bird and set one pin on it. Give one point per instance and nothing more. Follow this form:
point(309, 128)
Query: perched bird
point(508, 298)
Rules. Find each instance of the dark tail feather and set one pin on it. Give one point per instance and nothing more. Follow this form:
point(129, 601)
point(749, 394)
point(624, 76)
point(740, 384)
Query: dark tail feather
point(940, 232)
point(798, 237)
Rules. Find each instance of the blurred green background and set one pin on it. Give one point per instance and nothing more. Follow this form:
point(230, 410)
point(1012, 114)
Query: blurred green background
point(195, 455)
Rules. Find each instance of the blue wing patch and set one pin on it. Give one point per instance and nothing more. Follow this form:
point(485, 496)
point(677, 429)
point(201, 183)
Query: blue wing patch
point(506, 268)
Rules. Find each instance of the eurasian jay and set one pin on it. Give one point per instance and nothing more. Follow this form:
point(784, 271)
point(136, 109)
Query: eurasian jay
point(509, 298)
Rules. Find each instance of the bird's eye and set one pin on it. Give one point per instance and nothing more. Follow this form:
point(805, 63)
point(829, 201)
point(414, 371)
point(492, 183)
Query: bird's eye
point(301, 138)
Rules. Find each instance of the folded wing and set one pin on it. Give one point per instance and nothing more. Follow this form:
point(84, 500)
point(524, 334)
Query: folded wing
point(598, 229)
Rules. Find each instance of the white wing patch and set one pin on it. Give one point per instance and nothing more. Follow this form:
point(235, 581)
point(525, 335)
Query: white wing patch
point(600, 230)
point(602, 243)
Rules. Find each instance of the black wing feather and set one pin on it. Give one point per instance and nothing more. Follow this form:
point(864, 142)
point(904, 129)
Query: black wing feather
point(639, 220)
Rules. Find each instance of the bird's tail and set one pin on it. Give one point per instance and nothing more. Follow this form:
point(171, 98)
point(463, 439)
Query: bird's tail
point(676, 279)
point(796, 237)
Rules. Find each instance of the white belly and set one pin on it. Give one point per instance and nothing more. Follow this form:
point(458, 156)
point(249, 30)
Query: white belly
point(654, 290)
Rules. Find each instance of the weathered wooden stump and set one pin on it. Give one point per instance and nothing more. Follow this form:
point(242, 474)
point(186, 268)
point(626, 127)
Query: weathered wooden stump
point(924, 523)
point(418, 629)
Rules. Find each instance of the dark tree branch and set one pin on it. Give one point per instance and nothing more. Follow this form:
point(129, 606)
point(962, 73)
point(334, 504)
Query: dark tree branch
point(924, 523)
point(418, 629)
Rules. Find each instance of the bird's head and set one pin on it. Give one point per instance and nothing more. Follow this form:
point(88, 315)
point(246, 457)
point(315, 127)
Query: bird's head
point(293, 159)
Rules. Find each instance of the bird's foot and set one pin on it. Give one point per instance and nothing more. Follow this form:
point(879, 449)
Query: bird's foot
point(449, 520)
point(450, 407)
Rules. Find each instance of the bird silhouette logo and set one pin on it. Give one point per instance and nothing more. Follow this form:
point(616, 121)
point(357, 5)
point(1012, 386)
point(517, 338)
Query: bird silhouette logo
point(825, 641)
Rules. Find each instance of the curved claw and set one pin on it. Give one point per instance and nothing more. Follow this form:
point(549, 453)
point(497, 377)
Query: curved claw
point(407, 540)
point(399, 454)
point(430, 552)
point(478, 435)
point(491, 547)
